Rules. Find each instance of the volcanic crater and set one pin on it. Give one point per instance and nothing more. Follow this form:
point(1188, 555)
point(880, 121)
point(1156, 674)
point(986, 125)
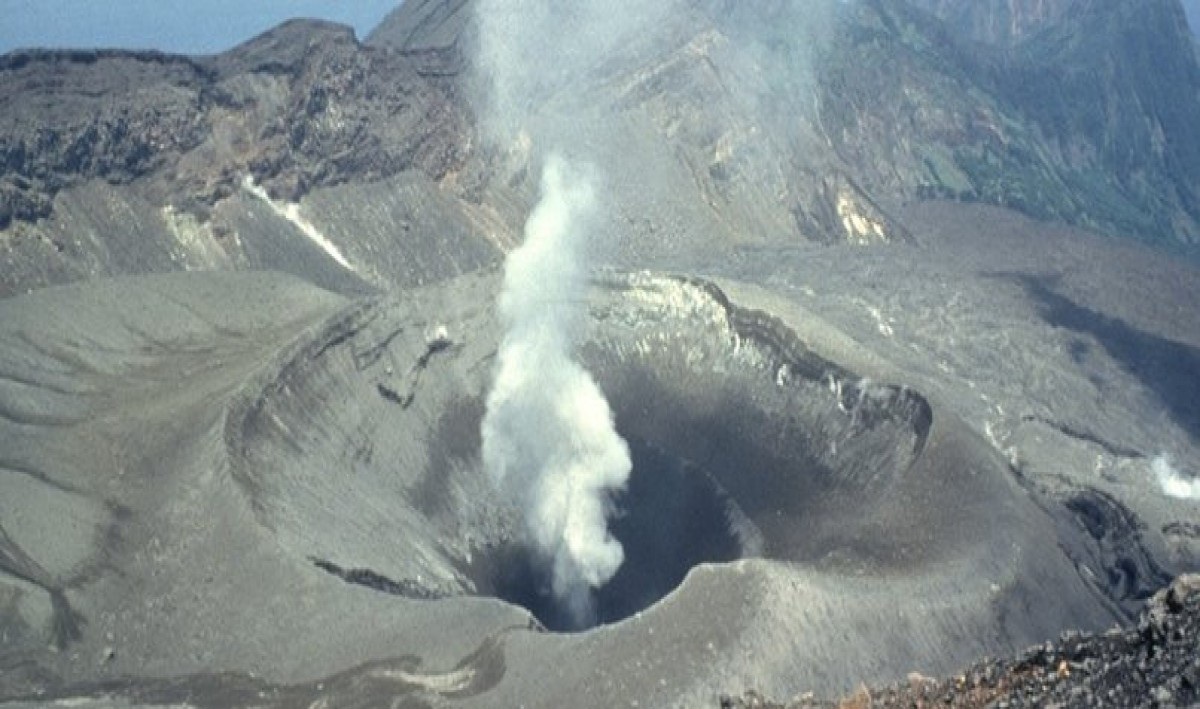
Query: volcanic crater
point(362, 451)
point(780, 493)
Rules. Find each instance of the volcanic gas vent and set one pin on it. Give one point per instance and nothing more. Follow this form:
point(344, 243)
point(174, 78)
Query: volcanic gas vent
point(744, 444)
point(363, 453)
point(672, 517)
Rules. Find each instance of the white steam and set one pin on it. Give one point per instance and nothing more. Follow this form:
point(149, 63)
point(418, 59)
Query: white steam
point(548, 434)
point(582, 75)
point(549, 440)
point(1172, 482)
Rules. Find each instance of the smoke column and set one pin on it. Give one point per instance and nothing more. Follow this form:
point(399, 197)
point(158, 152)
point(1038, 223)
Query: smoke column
point(548, 433)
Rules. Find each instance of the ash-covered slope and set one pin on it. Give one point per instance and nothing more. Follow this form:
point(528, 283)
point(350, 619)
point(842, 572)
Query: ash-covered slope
point(1152, 664)
point(872, 464)
point(276, 498)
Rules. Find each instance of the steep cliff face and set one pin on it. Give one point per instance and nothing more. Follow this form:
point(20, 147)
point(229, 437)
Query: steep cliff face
point(301, 106)
point(1112, 88)
point(999, 22)
point(1116, 92)
point(71, 116)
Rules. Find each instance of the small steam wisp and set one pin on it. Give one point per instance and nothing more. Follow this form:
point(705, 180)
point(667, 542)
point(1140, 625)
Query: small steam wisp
point(549, 438)
point(1172, 482)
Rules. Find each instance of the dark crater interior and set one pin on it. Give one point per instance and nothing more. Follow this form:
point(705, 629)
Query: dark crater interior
point(671, 517)
point(744, 444)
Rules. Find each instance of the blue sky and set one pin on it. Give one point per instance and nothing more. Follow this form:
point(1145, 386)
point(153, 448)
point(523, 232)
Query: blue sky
point(187, 26)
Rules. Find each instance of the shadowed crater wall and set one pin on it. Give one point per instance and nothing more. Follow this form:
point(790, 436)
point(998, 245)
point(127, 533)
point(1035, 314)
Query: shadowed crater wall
point(800, 446)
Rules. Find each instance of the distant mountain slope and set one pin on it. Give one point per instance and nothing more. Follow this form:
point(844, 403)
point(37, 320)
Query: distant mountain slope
point(1113, 88)
point(423, 24)
point(1005, 22)
point(1000, 22)
point(726, 126)
point(1083, 117)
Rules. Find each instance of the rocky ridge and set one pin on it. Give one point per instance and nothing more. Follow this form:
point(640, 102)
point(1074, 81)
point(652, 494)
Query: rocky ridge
point(301, 106)
point(122, 162)
point(1152, 664)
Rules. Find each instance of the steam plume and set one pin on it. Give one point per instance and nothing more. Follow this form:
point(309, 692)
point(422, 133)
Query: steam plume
point(1172, 482)
point(548, 434)
point(546, 74)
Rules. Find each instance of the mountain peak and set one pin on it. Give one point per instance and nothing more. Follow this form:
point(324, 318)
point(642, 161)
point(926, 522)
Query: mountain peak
point(423, 25)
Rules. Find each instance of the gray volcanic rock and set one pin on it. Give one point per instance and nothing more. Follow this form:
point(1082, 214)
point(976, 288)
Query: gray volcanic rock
point(73, 115)
point(123, 162)
point(300, 106)
point(1152, 664)
point(344, 111)
point(116, 407)
point(424, 25)
point(316, 485)
point(253, 464)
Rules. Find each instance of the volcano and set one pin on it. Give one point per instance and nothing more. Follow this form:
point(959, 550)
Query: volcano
point(893, 323)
